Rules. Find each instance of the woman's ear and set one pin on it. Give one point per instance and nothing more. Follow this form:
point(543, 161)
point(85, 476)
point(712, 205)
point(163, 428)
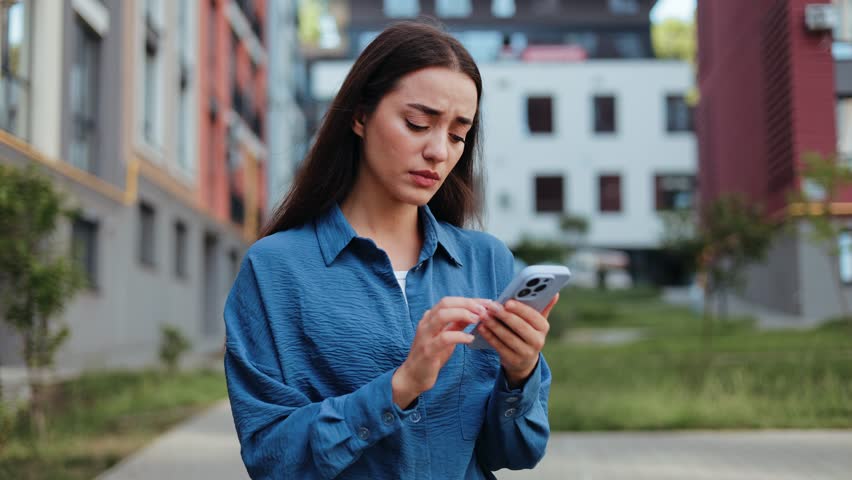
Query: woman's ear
point(358, 121)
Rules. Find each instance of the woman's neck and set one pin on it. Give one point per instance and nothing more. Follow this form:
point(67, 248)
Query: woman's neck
point(393, 225)
point(375, 217)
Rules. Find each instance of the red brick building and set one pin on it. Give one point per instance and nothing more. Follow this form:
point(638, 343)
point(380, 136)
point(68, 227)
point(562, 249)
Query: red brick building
point(768, 95)
point(233, 97)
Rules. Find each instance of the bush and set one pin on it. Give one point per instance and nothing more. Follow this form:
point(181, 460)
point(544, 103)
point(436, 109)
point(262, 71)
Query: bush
point(173, 344)
point(596, 314)
point(534, 251)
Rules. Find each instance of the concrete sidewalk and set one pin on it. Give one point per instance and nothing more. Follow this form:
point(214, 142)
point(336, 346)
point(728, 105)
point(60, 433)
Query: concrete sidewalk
point(206, 447)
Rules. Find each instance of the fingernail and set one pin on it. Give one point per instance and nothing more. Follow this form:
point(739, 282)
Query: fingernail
point(496, 306)
point(482, 310)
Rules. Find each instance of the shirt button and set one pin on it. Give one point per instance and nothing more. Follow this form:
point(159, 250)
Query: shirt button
point(388, 418)
point(363, 433)
point(511, 399)
point(415, 417)
point(509, 412)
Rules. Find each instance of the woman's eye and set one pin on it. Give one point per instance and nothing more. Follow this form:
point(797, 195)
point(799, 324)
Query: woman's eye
point(456, 138)
point(415, 127)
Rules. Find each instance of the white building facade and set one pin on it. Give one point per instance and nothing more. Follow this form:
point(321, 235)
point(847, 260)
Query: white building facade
point(609, 141)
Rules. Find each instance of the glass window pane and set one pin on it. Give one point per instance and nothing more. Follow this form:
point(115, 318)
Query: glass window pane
point(401, 8)
point(503, 8)
point(540, 114)
point(549, 194)
point(604, 112)
point(453, 8)
point(844, 243)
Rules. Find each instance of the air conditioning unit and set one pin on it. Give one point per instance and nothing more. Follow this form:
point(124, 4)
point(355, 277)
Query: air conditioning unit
point(820, 17)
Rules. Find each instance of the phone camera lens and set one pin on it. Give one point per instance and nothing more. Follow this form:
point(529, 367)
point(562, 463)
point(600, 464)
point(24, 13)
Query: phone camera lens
point(533, 282)
point(540, 288)
point(524, 292)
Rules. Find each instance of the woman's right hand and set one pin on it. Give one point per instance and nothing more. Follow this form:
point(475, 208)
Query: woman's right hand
point(437, 335)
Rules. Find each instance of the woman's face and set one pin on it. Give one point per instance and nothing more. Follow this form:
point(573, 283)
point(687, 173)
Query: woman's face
point(416, 135)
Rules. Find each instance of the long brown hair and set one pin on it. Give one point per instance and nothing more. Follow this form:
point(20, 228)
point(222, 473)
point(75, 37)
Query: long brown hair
point(330, 168)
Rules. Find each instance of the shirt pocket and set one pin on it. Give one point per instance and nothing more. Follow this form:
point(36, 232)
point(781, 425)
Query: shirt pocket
point(479, 372)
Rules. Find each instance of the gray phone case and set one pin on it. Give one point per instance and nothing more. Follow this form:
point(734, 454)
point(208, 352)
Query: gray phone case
point(535, 286)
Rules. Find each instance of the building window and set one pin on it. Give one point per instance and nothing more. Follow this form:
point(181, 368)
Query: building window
point(549, 194)
point(84, 249)
point(15, 58)
point(678, 114)
point(540, 114)
point(503, 8)
point(84, 88)
point(624, 7)
point(674, 192)
point(180, 249)
point(604, 112)
point(151, 87)
point(609, 193)
point(453, 8)
point(147, 237)
point(401, 8)
point(844, 131)
point(844, 245)
point(234, 258)
point(237, 208)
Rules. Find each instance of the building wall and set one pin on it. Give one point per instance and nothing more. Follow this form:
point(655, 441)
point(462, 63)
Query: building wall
point(820, 294)
point(47, 77)
point(640, 148)
point(117, 323)
point(286, 122)
point(767, 97)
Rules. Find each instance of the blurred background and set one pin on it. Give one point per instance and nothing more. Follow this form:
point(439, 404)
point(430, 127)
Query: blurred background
point(689, 162)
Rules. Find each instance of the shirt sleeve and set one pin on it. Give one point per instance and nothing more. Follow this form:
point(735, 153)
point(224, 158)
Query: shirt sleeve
point(282, 433)
point(516, 428)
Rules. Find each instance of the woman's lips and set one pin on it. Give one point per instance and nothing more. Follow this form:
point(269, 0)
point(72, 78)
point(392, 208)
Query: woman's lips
point(424, 179)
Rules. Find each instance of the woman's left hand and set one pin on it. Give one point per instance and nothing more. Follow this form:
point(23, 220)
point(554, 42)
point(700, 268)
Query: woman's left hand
point(517, 332)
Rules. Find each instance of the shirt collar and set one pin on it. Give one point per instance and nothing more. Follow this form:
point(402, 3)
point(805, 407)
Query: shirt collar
point(334, 234)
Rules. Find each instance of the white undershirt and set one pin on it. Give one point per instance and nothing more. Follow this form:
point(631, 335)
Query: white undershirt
point(400, 277)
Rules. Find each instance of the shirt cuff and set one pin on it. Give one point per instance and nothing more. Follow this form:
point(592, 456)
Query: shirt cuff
point(372, 413)
point(513, 403)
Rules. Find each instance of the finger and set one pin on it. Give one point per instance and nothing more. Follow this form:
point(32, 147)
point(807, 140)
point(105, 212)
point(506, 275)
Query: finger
point(509, 337)
point(475, 305)
point(440, 319)
point(529, 314)
point(450, 337)
point(515, 323)
point(546, 312)
point(502, 349)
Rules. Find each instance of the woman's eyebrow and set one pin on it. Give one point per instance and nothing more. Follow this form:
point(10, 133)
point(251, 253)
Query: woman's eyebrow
point(437, 113)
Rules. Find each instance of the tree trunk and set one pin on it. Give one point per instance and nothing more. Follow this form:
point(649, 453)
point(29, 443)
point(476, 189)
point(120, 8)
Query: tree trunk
point(707, 320)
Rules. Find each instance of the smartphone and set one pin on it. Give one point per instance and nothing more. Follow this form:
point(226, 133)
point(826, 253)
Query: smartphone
point(535, 286)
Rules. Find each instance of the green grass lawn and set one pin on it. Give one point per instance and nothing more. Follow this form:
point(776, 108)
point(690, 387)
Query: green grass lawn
point(670, 380)
point(100, 418)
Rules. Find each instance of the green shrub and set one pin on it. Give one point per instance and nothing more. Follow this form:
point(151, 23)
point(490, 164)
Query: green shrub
point(173, 344)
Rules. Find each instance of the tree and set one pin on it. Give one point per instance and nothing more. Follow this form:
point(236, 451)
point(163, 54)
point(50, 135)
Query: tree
point(822, 179)
point(35, 281)
point(674, 39)
point(731, 233)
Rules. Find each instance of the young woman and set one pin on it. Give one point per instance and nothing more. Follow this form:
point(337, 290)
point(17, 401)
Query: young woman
point(346, 346)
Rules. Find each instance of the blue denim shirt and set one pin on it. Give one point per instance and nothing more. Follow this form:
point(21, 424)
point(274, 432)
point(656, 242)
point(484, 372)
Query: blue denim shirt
point(316, 326)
